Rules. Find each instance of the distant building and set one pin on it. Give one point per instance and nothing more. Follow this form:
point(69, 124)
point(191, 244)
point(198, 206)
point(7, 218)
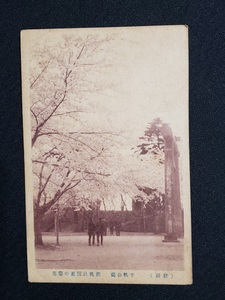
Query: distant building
point(140, 217)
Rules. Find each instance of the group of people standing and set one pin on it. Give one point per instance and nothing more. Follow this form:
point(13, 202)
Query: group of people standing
point(115, 225)
point(95, 229)
point(100, 229)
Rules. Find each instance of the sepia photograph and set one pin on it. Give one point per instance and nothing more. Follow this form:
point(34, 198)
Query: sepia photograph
point(106, 143)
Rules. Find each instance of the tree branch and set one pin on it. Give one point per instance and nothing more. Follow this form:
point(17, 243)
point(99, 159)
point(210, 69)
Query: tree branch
point(36, 119)
point(39, 75)
point(40, 126)
point(79, 54)
point(97, 173)
point(69, 112)
point(40, 185)
point(94, 132)
point(44, 186)
point(57, 196)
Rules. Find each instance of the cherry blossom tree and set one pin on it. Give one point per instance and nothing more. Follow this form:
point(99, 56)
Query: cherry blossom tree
point(65, 152)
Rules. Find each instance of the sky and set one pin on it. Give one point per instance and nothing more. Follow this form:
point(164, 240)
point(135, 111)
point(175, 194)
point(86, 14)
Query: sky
point(149, 72)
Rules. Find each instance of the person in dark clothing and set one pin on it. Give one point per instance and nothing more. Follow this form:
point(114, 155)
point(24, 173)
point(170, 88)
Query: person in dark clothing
point(91, 232)
point(111, 227)
point(117, 227)
point(105, 225)
point(100, 228)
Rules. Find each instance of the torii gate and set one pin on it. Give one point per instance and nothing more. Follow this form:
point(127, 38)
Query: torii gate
point(173, 210)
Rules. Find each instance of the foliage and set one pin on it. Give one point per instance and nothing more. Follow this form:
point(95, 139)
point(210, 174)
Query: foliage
point(153, 140)
point(66, 154)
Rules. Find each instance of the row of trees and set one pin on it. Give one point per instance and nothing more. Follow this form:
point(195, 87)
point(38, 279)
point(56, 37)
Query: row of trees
point(66, 154)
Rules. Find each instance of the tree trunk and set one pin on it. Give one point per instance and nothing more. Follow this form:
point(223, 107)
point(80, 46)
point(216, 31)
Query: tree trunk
point(38, 229)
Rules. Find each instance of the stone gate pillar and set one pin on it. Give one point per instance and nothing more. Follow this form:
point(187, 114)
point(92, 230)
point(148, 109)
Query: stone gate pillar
point(173, 210)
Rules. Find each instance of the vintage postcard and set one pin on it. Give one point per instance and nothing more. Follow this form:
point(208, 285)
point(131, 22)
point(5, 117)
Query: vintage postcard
point(106, 142)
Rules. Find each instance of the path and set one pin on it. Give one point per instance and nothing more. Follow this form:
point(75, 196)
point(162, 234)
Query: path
point(134, 252)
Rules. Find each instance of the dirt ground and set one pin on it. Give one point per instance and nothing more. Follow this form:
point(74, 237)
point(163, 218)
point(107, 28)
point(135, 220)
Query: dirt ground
point(127, 251)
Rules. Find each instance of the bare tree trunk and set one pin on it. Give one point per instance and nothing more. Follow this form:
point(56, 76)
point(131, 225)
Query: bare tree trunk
point(37, 229)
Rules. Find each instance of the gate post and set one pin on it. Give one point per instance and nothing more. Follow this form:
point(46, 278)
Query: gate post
point(173, 211)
